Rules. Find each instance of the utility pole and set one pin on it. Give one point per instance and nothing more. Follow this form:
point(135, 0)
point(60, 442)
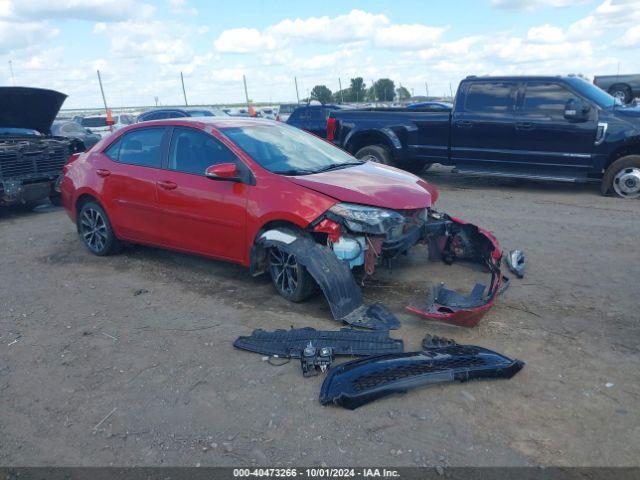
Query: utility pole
point(451, 90)
point(373, 89)
point(13, 79)
point(246, 94)
point(341, 95)
point(426, 86)
point(102, 91)
point(295, 79)
point(184, 92)
point(156, 100)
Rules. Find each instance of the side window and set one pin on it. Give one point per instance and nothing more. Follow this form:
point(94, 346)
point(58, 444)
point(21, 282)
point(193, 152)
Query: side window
point(140, 147)
point(192, 151)
point(315, 114)
point(546, 99)
point(113, 151)
point(490, 97)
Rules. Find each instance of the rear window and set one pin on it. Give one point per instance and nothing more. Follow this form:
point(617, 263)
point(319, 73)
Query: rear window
point(490, 97)
point(286, 109)
point(94, 122)
point(200, 113)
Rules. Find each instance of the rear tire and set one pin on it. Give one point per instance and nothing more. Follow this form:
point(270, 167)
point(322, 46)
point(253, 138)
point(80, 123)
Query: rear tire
point(376, 154)
point(623, 177)
point(622, 92)
point(96, 231)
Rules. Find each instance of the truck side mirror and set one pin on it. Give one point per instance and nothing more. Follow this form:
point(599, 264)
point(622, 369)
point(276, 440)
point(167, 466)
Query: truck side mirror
point(577, 110)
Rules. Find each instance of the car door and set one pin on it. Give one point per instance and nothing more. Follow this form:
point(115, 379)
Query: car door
point(544, 137)
point(201, 215)
point(317, 122)
point(483, 124)
point(129, 170)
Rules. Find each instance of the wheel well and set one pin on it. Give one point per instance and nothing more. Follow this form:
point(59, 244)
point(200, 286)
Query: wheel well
point(258, 254)
point(84, 198)
point(365, 139)
point(623, 152)
point(618, 85)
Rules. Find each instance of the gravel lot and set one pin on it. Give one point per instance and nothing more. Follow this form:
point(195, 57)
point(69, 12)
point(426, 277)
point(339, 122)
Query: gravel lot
point(147, 336)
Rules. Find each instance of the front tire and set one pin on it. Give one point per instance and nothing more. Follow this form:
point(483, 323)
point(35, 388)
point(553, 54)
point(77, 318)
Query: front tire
point(96, 231)
point(291, 279)
point(623, 177)
point(376, 154)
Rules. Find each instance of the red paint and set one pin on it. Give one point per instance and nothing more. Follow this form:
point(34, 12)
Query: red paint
point(370, 184)
point(221, 218)
point(224, 170)
point(331, 128)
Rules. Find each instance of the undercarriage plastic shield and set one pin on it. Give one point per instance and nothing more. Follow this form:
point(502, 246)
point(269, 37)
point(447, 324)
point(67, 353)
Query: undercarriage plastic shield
point(358, 382)
point(290, 343)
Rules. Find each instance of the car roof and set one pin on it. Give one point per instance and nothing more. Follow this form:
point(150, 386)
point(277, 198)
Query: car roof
point(472, 78)
point(202, 122)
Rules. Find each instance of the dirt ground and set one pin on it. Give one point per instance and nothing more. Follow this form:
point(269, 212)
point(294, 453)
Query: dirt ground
point(147, 336)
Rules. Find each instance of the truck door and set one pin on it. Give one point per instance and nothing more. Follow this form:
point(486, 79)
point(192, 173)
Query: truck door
point(544, 137)
point(483, 124)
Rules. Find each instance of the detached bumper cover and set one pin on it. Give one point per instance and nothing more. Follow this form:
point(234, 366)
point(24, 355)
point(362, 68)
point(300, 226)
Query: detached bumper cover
point(453, 239)
point(356, 383)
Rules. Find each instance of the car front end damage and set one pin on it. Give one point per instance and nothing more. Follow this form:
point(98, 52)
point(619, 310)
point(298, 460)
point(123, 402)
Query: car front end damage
point(31, 167)
point(366, 237)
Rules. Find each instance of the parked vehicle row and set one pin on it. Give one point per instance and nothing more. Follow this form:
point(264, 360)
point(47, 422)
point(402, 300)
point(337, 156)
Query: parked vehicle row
point(545, 128)
point(623, 87)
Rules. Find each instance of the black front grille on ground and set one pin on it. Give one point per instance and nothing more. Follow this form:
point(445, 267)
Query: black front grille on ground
point(22, 159)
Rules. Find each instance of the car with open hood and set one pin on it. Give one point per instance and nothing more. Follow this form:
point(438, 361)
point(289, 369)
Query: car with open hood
point(275, 199)
point(31, 159)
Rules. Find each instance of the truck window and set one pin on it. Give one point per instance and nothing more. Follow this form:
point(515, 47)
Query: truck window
point(489, 97)
point(547, 99)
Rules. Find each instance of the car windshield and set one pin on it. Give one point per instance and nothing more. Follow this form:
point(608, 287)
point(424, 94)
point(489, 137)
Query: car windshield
point(93, 122)
point(287, 150)
point(593, 93)
point(200, 113)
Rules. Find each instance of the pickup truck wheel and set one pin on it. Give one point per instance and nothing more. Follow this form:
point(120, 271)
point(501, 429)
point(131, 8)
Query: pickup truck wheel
point(623, 177)
point(621, 92)
point(375, 153)
point(96, 231)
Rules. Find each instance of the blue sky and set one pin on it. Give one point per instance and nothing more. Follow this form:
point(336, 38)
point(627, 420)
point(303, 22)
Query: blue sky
point(141, 46)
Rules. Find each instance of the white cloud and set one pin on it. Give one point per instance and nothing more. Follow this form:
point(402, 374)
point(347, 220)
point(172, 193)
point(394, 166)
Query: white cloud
point(355, 25)
point(181, 6)
point(244, 40)
point(329, 60)
point(631, 37)
point(545, 34)
point(458, 48)
point(408, 36)
point(16, 36)
point(533, 4)
point(96, 10)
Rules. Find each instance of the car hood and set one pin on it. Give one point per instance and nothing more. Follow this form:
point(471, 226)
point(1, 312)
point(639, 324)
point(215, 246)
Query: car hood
point(34, 108)
point(371, 184)
point(633, 112)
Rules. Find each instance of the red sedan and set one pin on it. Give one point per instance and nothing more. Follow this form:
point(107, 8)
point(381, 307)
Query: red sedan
point(218, 186)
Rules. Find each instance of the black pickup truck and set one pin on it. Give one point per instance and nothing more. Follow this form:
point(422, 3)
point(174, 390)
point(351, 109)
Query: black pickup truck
point(545, 128)
point(31, 159)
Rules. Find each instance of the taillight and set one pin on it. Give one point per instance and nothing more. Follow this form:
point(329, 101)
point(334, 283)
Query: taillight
point(331, 128)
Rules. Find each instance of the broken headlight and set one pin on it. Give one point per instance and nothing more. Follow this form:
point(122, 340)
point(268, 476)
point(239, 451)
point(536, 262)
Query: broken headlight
point(362, 218)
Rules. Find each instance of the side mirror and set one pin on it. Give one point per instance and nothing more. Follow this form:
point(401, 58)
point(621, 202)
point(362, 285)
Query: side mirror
point(222, 171)
point(577, 110)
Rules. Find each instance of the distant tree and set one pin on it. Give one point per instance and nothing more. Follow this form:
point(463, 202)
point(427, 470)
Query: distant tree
point(402, 93)
point(385, 89)
point(358, 89)
point(371, 94)
point(321, 93)
point(345, 95)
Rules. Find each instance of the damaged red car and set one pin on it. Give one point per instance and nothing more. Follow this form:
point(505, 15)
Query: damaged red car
point(276, 200)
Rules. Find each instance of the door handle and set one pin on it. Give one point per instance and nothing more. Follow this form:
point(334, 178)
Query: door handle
point(464, 123)
point(102, 172)
point(167, 185)
point(524, 126)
